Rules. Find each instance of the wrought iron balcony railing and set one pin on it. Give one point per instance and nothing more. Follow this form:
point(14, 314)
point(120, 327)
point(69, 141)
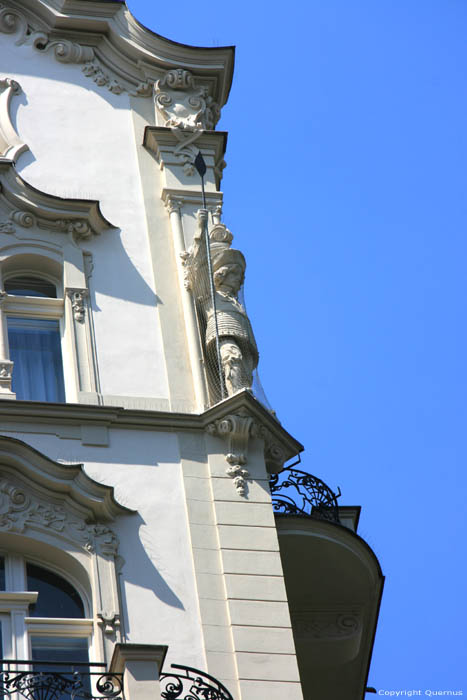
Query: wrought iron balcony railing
point(52, 680)
point(34, 680)
point(191, 685)
point(297, 493)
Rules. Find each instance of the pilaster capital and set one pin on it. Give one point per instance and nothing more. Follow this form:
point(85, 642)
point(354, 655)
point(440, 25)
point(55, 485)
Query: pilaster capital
point(77, 297)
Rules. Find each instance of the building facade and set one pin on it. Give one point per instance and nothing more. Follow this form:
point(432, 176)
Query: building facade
point(136, 523)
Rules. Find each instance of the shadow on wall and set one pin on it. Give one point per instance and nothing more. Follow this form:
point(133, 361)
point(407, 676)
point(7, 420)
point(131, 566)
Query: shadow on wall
point(142, 571)
point(118, 277)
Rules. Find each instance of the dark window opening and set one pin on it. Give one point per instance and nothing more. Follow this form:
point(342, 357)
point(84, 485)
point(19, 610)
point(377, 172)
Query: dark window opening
point(57, 597)
point(27, 285)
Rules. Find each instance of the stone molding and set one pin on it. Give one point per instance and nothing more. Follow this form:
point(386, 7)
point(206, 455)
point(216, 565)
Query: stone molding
point(116, 51)
point(237, 429)
point(28, 207)
point(109, 621)
point(67, 416)
point(11, 145)
point(176, 200)
point(84, 500)
point(178, 146)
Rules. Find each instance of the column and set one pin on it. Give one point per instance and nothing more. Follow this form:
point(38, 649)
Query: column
point(194, 347)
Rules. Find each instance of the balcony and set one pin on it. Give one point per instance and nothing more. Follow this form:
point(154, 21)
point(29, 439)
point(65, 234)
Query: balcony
point(295, 492)
point(34, 680)
point(42, 680)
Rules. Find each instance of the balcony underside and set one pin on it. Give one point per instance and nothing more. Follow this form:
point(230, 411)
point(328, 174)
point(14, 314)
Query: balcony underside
point(334, 586)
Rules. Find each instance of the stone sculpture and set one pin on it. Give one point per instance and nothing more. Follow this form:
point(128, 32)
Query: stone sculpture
point(237, 345)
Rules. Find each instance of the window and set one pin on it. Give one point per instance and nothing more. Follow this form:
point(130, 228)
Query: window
point(47, 623)
point(33, 312)
point(36, 354)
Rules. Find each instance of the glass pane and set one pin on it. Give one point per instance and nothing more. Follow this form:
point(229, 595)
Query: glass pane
point(59, 656)
point(25, 285)
point(57, 597)
point(36, 352)
point(2, 574)
point(59, 650)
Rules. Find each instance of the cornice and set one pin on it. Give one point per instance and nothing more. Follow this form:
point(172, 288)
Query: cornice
point(243, 403)
point(106, 37)
point(27, 206)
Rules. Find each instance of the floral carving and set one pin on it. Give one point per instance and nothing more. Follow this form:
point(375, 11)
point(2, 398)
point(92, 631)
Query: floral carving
point(93, 70)
point(20, 511)
point(7, 227)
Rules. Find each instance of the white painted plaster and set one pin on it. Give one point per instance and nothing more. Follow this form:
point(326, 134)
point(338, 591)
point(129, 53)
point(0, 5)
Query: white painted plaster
point(82, 145)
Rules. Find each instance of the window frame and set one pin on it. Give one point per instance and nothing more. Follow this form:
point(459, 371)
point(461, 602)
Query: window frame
point(71, 309)
point(18, 627)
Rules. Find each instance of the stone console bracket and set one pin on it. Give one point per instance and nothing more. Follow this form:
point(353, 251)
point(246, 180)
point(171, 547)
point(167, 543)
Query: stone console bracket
point(250, 420)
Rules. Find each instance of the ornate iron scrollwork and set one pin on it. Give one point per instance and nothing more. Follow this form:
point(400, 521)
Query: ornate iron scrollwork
point(53, 685)
point(191, 685)
point(299, 493)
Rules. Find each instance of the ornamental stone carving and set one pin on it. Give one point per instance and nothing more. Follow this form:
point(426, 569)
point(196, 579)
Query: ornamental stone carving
point(319, 624)
point(7, 227)
point(226, 318)
point(79, 228)
point(109, 621)
point(21, 511)
point(77, 298)
point(93, 70)
point(13, 21)
point(6, 371)
point(182, 104)
point(237, 429)
point(11, 145)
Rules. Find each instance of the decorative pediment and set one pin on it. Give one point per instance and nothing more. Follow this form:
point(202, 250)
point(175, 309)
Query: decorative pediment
point(116, 51)
point(40, 490)
point(22, 205)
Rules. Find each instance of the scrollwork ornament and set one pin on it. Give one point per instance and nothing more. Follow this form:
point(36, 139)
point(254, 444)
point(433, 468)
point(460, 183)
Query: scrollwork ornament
point(24, 219)
point(65, 51)
point(173, 204)
point(183, 104)
point(12, 21)
point(237, 430)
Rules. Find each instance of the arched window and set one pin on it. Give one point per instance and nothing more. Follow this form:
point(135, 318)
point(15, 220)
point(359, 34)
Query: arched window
point(44, 618)
point(30, 286)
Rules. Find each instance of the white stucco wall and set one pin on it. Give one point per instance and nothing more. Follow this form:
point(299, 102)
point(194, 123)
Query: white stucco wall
point(160, 600)
point(82, 145)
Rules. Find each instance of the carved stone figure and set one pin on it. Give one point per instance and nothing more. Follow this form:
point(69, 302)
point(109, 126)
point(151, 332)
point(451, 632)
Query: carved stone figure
point(237, 345)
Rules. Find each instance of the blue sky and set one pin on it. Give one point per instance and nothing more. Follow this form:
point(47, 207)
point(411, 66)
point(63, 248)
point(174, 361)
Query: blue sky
point(345, 189)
